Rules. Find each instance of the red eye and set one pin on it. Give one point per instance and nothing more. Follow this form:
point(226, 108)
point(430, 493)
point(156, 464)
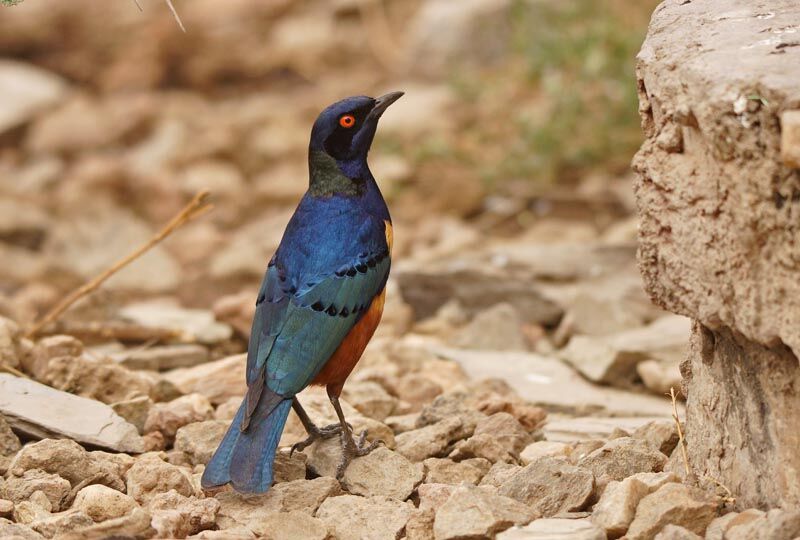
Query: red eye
point(347, 121)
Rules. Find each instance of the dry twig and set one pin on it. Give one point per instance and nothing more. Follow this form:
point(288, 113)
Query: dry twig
point(13, 371)
point(175, 14)
point(681, 440)
point(198, 206)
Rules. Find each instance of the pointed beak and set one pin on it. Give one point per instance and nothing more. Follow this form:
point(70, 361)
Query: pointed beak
point(383, 102)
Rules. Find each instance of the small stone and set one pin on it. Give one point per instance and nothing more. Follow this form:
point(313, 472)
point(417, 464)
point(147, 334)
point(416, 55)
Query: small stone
point(350, 517)
point(676, 532)
point(402, 423)
point(48, 348)
point(26, 91)
point(17, 531)
point(382, 472)
point(555, 529)
point(26, 512)
point(169, 417)
point(199, 440)
point(445, 471)
point(478, 512)
point(57, 525)
point(6, 508)
point(196, 324)
point(163, 358)
point(776, 525)
point(219, 380)
point(528, 415)
point(432, 496)
point(151, 476)
point(176, 516)
point(451, 406)
point(227, 410)
point(498, 328)
point(102, 503)
point(133, 525)
point(505, 429)
point(420, 525)
point(790, 138)
point(660, 376)
point(417, 389)
point(134, 410)
point(20, 488)
point(9, 443)
point(429, 441)
point(551, 486)
point(616, 508)
point(716, 529)
point(540, 449)
point(499, 474)
point(370, 399)
point(672, 503)
point(289, 466)
point(68, 460)
point(483, 446)
point(661, 434)
point(294, 526)
point(623, 457)
point(253, 511)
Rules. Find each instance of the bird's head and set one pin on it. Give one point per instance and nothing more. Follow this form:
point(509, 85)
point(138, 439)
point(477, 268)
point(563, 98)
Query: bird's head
point(344, 131)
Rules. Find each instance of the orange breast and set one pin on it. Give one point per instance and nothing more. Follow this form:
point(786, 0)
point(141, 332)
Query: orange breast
point(338, 368)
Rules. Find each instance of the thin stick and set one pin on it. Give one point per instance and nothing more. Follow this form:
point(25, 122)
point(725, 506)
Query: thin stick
point(681, 440)
point(175, 14)
point(730, 499)
point(198, 206)
point(138, 5)
point(13, 371)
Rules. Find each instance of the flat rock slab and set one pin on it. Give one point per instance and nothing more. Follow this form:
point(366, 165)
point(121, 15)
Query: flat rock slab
point(586, 428)
point(549, 383)
point(555, 529)
point(42, 412)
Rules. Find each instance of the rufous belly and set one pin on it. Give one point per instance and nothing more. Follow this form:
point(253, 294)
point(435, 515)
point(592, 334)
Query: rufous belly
point(338, 368)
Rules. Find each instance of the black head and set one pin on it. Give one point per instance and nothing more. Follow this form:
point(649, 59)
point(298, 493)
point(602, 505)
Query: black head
point(345, 130)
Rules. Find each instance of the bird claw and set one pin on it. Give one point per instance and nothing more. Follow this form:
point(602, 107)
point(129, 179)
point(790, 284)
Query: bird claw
point(315, 434)
point(352, 449)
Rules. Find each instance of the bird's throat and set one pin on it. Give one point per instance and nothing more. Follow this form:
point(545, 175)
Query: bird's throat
point(327, 178)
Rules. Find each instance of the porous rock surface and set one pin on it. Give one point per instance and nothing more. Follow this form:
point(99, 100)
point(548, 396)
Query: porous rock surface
point(717, 194)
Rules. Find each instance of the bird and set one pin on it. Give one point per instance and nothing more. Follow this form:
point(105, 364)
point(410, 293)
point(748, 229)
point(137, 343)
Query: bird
point(319, 303)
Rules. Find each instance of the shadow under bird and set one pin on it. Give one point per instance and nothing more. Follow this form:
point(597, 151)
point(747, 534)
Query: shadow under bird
point(319, 304)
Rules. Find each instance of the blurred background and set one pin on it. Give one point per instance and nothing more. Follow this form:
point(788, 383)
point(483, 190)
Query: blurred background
point(506, 164)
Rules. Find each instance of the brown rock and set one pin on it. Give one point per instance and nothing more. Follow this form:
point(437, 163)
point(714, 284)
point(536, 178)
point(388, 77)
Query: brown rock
point(675, 504)
point(483, 446)
point(169, 417)
point(199, 440)
point(102, 503)
point(20, 488)
point(6, 508)
point(445, 471)
point(134, 410)
point(540, 449)
point(550, 486)
point(616, 508)
point(294, 526)
point(775, 525)
point(218, 380)
point(499, 328)
point(176, 516)
point(11, 530)
point(429, 441)
point(57, 525)
point(134, 525)
point(420, 525)
point(350, 517)
point(402, 423)
point(289, 466)
point(716, 529)
point(68, 460)
point(478, 512)
point(254, 511)
point(384, 473)
point(499, 474)
point(9, 443)
point(623, 457)
point(661, 434)
point(163, 357)
point(151, 476)
point(370, 399)
point(505, 429)
point(528, 415)
point(676, 532)
point(552, 529)
point(417, 389)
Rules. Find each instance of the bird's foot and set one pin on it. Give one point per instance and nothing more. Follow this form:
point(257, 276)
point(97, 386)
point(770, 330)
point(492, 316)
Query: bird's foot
point(315, 434)
point(352, 449)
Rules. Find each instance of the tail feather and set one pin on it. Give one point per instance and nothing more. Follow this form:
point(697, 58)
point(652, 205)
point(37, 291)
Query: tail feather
point(245, 458)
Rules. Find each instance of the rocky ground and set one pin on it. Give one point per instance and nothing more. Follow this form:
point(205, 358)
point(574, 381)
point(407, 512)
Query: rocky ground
point(518, 377)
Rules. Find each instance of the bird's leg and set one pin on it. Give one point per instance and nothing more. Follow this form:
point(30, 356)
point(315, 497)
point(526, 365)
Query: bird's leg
point(350, 447)
point(314, 432)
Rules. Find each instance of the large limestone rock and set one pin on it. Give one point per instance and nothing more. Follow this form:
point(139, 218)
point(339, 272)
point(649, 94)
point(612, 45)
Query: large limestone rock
point(40, 411)
point(718, 204)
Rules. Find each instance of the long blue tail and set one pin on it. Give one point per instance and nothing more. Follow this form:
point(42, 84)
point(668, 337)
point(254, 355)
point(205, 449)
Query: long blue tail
point(245, 458)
